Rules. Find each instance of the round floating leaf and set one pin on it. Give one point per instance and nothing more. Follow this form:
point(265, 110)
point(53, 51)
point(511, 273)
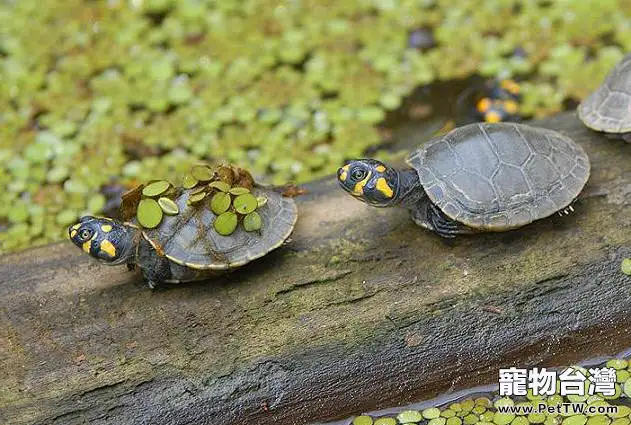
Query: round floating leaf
point(431, 413)
point(239, 191)
point(471, 419)
point(220, 203)
point(385, 421)
point(156, 188)
point(437, 421)
point(626, 266)
point(617, 364)
point(226, 223)
point(219, 185)
point(536, 418)
point(409, 416)
point(575, 420)
point(520, 420)
point(202, 172)
point(363, 420)
point(245, 204)
point(149, 213)
point(448, 413)
point(622, 412)
point(598, 420)
point(196, 197)
point(504, 402)
point(503, 418)
point(261, 200)
point(253, 222)
point(189, 182)
point(622, 375)
point(454, 421)
point(168, 206)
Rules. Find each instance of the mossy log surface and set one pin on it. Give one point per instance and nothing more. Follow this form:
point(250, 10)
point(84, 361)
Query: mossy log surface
point(361, 310)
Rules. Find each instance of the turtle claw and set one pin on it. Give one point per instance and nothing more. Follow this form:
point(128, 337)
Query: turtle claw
point(566, 211)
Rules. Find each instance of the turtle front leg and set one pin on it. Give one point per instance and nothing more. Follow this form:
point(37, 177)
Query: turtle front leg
point(432, 218)
point(155, 268)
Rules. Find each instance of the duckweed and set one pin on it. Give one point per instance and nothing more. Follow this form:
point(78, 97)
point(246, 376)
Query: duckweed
point(225, 224)
point(626, 266)
point(252, 222)
point(220, 202)
point(245, 204)
point(95, 93)
point(410, 416)
point(464, 411)
point(168, 206)
point(149, 213)
point(363, 420)
point(156, 188)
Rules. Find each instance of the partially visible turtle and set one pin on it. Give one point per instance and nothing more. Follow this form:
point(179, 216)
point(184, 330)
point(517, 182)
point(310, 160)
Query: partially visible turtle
point(608, 109)
point(186, 244)
point(479, 177)
point(492, 101)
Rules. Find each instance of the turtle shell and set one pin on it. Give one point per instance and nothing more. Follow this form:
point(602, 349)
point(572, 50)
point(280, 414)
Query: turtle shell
point(501, 176)
point(608, 109)
point(190, 239)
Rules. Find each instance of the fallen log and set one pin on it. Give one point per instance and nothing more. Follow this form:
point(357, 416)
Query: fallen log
point(361, 310)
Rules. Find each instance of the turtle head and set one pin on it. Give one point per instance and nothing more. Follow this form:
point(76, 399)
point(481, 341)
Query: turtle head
point(370, 181)
point(104, 239)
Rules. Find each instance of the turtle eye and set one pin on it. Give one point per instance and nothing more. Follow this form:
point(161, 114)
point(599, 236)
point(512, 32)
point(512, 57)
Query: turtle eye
point(358, 174)
point(85, 234)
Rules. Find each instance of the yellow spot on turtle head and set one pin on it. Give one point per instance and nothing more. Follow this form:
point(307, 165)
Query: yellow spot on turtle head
point(380, 168)
point(358, 190)
point(108, 248)
point(511, 106)
point(511, 86)
point(76, 226)
point(483, 105)
point(382, 186)
point(344, 173)
point(492, 117)
point(106, 228)
point(73, 233)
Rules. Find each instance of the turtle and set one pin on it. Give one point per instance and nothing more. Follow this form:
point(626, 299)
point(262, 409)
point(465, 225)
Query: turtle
point(481, 177)
point(491, 101)
point(608, 109)
point(185, 247)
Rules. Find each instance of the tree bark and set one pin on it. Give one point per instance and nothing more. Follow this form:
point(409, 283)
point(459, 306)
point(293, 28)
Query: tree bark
point(361, 310)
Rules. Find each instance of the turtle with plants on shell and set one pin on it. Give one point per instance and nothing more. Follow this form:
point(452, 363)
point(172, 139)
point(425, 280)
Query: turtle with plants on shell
point(217, 220)
point(477, 178)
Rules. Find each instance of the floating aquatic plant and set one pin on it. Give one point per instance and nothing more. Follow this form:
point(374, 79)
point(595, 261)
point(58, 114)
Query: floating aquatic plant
point(120, 92)
point(486, 410)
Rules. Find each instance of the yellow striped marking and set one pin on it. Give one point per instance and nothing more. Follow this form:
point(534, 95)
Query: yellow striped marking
point(107, 247)
point(344, 173)
point(86, 244)
point(106, 228)
point(380, 168)
point(73, 233)
point(76, 226)
point(383, 187)
point(358, 190)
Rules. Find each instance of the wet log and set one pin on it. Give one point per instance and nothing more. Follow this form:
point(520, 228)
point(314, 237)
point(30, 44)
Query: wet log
point(361, 310)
